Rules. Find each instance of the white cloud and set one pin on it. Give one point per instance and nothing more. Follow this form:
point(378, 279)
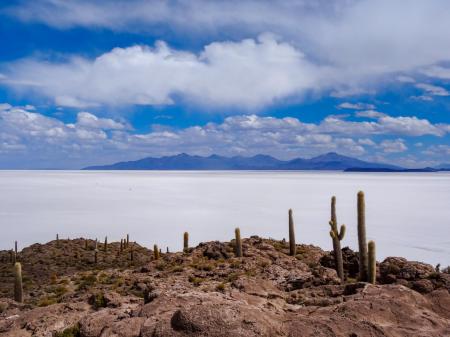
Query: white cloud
point(393, 146)
point(356, 106)
point(405, 79)
point(250, 74)
point(433, 90)
point(88, 120)
point(370, 114)
point(437, 72)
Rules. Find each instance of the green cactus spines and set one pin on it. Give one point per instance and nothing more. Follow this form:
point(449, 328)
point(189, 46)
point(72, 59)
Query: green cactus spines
point(372, 277)
point(105, 246)
point(337, 236)
point(186, 242)
point(362, 243)
point(238, 247)
point(18, 289)
point(156, 252)
point(292, 246)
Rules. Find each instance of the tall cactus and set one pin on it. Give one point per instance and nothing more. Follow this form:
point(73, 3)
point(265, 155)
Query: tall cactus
point(128, 240)
point(363, 258)
point(238, 247)
point(121, 246)
point(18, 289)
point(57, 240)
point(105, 246)
point(292, 246)
point(156, 252)
point(372, 263)
point(186, 242)
point(337, 236)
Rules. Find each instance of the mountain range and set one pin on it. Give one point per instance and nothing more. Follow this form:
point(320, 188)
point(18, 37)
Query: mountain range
point(183, 161)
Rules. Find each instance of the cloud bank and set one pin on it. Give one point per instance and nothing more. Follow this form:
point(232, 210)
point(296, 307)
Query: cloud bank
point(31, 138)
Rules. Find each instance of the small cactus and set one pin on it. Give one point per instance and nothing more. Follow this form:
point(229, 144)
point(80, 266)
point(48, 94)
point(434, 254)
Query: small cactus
point(18, 289)
point(337, 236)
point(372, 263)
point(132, 253)
point(238, 247)
point(57, 240)
point(363, 258)
point(186, 242)
point(167, 250)
point(105, 246)
point(292, 247)
point(128, 240)
point(95, 256)
point(121, 246)
point(156, 252)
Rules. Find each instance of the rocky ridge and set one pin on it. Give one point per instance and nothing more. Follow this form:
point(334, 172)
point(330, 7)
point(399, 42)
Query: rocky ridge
point(207, 291)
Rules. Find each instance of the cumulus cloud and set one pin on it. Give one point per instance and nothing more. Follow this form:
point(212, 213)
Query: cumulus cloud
point(433, 90)
point(370, 114)
point(356, 106)
point(393, 146)
point(437, 72)
point(250, 74)
point(33, 138)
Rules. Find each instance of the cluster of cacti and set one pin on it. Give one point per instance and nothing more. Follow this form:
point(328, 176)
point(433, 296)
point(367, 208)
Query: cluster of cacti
point(186, 242)
point(337, 237)
point(292, 246)
point(238, 246)
point(18, 289)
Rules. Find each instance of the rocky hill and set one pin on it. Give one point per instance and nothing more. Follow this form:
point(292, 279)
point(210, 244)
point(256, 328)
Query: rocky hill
point(207, 291)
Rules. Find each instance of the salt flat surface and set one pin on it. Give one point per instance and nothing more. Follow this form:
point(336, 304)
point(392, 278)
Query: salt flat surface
point(407, 214)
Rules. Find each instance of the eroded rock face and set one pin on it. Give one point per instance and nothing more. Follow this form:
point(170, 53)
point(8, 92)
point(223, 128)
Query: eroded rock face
point(210, 292)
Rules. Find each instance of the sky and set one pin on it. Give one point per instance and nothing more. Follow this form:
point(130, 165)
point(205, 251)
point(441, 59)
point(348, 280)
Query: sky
point(95, 82)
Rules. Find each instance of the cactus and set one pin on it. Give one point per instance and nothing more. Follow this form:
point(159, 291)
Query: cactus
point(86, 244)
point(156, 252)
point(337, 237)
point(186, 242)
point(363, 259)
point(121, 246)
point(57, 240)
point(96, 244)
point(167, 250)
point(95, 256)
point(292, 247)
point(238, 247)
point(128, 240)
point(13, 257)
point(18, 289)
point(372, 278)
point(132, 253)
point(105, 246)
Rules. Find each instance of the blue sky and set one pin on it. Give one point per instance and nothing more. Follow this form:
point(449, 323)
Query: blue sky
point(85, 83)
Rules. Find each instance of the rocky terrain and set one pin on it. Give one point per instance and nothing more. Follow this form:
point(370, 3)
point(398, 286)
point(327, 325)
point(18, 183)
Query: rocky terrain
point(207, 291)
